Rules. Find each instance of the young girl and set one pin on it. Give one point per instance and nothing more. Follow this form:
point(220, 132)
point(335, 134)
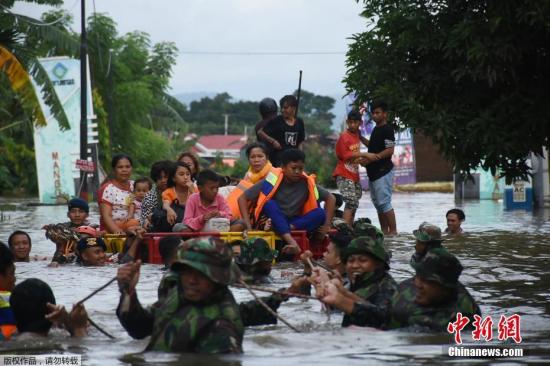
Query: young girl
point(141, 187)
point(181, 187)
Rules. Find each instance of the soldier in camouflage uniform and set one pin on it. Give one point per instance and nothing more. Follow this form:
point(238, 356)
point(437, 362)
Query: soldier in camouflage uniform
point(199, 314)
point(428, 237)
point(254, 257)
point(430, 300)
point(367, 265)
point(434, 296)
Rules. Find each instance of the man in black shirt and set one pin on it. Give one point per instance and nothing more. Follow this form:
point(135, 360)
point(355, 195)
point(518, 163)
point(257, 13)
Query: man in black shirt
point(285, 131)
point(268, 111)
point(380, 171)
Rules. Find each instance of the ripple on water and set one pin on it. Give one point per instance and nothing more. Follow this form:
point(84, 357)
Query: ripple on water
point(505, 258)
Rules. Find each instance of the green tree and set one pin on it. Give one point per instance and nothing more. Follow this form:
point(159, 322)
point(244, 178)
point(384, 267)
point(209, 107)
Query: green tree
point(207, 115)
point(472, 75)
point(315, 111)
point(132, 76)
point(22, 40)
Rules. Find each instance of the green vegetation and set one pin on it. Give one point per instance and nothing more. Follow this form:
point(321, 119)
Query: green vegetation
point(472, 75)
point(135, 115)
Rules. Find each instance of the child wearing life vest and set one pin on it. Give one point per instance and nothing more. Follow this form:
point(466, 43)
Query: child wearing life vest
point(290, 198)
point(208, 204)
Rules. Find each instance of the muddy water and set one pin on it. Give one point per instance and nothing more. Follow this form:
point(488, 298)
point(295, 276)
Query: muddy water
point(506, 256)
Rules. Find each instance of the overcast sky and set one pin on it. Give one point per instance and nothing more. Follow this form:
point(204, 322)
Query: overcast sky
point(240, 26)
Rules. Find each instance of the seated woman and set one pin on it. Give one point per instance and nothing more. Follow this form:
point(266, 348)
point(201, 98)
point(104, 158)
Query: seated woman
point(174, 198)
point(114, 197)
point(192, 161)
point(259, 166)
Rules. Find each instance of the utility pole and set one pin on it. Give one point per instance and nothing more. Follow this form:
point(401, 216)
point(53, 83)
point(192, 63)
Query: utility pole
point(83, 193)
point(226, 122)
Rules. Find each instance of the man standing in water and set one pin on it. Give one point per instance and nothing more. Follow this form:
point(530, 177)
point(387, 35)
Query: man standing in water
point(380, 171)
point(198, 315)
point(20, 244)
point(285, 131)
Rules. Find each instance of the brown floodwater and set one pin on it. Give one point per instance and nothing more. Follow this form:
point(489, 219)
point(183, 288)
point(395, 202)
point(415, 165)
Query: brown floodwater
point(506, 259)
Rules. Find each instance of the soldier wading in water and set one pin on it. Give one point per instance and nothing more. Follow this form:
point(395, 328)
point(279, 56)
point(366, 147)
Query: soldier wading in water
point(199, 314)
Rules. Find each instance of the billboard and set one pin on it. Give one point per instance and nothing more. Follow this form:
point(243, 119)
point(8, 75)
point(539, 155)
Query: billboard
point(57, 151)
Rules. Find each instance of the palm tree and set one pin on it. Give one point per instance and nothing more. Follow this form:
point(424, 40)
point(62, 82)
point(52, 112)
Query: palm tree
point(22, 40)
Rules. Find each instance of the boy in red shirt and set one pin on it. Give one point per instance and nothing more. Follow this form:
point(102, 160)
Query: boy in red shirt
point(347, 168)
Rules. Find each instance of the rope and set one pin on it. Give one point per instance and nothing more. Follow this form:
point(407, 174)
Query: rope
point(274, 313)
point(96, 291)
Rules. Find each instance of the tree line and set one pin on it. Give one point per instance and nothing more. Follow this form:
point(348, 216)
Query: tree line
point(130, 78)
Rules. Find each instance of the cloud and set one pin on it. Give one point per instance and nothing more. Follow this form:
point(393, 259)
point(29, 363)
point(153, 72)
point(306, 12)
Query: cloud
point(240, 26)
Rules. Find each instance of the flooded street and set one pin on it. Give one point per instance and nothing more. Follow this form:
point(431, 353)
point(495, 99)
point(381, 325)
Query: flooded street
point(506, 257)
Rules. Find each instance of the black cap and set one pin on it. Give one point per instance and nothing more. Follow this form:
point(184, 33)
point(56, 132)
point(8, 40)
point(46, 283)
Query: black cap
point(79, 203)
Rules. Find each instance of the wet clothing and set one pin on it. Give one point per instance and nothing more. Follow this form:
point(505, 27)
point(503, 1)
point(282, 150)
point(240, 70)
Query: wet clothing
point(382, 138)
point(289, 137)
point(404, 312)
point(178, 325)
point(377, 288)
point(61, 254)
point(251, 312)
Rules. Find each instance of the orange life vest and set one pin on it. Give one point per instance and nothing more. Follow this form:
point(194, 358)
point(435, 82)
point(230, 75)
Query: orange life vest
point(271, 184)
point(233, 197)
point(7, 320)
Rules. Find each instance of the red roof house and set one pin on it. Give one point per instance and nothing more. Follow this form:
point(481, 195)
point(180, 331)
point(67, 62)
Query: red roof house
point(229, 146)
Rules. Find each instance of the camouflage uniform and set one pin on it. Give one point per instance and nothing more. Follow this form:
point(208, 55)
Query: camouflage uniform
point(252, 313)
point(439, 266)
point(68, 228)
point(254, 252)
point(428, 234)
point(376, 288)
point(177, 324)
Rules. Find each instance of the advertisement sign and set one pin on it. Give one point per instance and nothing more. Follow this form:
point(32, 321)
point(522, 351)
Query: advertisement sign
point(56, 151)
point(85, 166)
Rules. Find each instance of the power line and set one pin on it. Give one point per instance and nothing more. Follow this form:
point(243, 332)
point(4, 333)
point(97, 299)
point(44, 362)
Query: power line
point(260, 53)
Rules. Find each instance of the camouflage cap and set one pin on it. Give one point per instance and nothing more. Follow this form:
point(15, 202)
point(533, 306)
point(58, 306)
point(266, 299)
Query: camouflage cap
point(254, 250)
point(440, 266)
point(428, 233)
point(367, 245)
point(210, 256)
point(363, 227)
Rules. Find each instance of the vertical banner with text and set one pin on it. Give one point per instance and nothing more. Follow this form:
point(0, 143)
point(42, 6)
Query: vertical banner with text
point(56, 150)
